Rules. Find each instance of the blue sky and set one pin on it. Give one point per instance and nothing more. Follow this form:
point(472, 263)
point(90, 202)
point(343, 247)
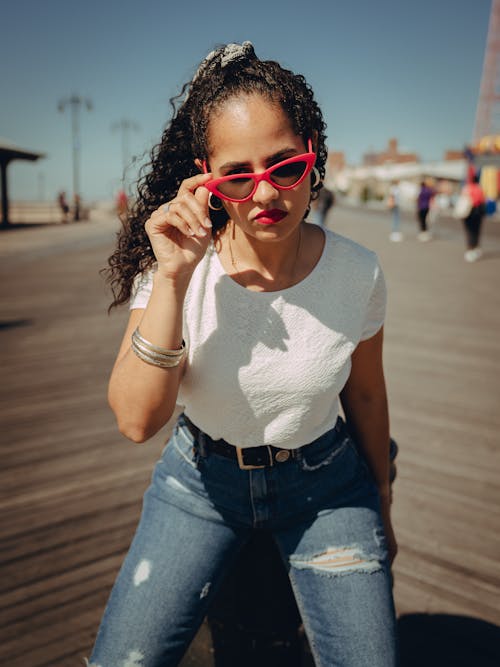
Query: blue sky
point(379, 69)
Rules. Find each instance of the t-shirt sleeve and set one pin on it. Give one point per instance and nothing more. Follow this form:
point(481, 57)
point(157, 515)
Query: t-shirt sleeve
point(141, 290)
point(375, 311)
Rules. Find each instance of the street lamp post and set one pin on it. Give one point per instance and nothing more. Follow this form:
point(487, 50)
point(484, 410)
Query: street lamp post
point(125, 125)
point(75, 103)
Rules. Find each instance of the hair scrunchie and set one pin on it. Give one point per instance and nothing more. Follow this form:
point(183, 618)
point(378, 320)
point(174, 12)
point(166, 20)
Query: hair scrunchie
point(236, 52)
point(228, 54)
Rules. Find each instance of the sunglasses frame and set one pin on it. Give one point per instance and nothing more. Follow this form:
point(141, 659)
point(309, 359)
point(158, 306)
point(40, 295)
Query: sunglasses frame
point(309, 158)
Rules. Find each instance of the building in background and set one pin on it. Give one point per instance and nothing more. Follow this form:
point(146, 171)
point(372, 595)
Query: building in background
point(390, 155)
point(453, 154)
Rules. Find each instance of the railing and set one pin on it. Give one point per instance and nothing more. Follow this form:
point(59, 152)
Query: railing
point(39, 212)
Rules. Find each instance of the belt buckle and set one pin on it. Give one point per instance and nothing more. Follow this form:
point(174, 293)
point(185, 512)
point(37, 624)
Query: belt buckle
point(246, 466)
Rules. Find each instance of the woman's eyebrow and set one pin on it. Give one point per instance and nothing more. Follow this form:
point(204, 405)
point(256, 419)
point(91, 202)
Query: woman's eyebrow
point(282, 155)
point(228, 166)
point(272, 159)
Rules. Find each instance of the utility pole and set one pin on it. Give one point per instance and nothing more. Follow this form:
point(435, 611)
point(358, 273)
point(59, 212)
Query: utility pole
point(75, 103)
point(125, 126)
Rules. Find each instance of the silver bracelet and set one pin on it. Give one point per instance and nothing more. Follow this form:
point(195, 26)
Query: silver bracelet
point(155, 348)
point(155, 360)
point(155, 355)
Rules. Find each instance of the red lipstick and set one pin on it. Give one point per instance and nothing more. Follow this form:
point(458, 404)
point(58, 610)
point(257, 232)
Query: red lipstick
point(270, 217)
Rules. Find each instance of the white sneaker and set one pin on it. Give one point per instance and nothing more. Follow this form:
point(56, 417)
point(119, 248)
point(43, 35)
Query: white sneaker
point(424, 236)
point(396, 237)
point(473, 255)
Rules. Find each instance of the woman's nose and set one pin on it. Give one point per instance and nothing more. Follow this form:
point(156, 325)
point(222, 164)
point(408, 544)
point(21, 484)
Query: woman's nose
point(265, 193)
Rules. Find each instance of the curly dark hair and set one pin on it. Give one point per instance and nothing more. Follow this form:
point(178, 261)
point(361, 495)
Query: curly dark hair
point(229, 71)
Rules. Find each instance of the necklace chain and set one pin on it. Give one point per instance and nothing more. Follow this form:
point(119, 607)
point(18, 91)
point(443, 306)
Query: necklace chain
point(235, 266)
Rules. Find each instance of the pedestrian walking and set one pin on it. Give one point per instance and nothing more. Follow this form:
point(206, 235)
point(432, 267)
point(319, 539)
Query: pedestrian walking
point(322, 205)
point(121, 204)
point(474, 219)
point(423, 205)
point(393, 203)
point(231, 319)
point(77, 203)
point(63, 206)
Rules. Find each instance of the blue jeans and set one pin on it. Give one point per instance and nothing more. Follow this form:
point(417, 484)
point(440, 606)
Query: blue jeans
point(322, 509)
point(395, 219)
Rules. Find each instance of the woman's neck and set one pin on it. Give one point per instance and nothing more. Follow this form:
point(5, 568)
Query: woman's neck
point(267, 266)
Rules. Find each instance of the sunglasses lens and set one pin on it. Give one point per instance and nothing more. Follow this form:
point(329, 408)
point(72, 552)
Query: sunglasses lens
point(288, 174)
point(236, 188)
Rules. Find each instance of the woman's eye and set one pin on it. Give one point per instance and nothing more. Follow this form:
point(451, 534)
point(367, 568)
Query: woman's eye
point(242, 179)
point(289, 170)
point(236, 172)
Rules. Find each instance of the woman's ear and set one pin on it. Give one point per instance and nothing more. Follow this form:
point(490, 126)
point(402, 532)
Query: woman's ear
point(314, 139)
point(199, 164)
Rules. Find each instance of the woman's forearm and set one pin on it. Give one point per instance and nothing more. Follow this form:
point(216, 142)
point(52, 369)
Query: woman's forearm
point(364, 400)
point(368, 419)
point(143, 396)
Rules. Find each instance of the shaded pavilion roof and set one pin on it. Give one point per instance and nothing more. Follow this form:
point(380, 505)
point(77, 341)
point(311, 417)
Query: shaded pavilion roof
point(9, 151)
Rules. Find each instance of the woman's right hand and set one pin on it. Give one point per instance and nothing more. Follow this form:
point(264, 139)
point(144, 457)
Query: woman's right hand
point(180, 230)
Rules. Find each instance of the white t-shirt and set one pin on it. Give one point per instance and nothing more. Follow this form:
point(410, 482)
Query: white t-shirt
point(266, 368)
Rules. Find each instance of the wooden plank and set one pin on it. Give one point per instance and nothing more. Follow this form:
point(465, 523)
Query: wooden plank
point(71, 487)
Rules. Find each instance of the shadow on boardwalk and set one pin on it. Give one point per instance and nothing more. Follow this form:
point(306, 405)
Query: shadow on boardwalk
point(439, 640)
point(70, 486)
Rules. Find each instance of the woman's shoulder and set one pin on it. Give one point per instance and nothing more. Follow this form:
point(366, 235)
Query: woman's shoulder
point(347, 262)
point(338, 245)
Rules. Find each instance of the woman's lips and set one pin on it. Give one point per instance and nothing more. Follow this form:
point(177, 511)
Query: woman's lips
point(270, 217)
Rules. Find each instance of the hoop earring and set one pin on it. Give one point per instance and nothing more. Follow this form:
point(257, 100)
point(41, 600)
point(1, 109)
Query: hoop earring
point(317, 178)
point(215, 204)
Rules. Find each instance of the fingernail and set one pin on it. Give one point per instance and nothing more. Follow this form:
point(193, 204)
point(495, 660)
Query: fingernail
point(208, 222)
point(202, 231)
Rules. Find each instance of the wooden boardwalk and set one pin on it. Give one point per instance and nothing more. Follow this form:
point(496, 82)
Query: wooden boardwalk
point(70, 485)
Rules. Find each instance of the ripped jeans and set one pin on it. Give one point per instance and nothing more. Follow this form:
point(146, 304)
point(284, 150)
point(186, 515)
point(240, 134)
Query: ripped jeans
point(322, 509)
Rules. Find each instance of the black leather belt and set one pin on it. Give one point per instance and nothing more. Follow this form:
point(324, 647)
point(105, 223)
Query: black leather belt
point(248, 458)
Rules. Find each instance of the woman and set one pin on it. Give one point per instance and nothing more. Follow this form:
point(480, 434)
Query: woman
point(424, 200)
point(474, 220)
point(393, 204)
point(255, 322)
